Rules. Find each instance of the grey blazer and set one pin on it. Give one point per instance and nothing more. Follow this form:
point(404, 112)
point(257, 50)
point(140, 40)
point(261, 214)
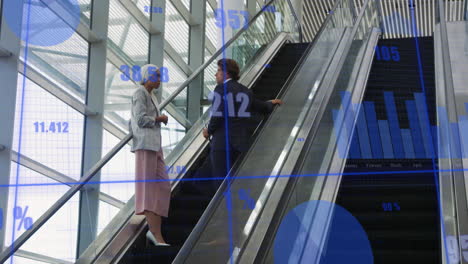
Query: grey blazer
point(146, 131)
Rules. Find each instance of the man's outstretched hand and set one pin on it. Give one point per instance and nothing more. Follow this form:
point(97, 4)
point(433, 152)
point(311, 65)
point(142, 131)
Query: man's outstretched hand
point(276, 101)
point(205, 133)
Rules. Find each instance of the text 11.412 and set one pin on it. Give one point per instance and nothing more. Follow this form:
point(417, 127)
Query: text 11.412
point(52, 127)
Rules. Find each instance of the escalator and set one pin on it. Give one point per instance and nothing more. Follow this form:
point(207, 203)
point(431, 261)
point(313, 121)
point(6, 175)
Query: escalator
point(191, 197)
point(393, 194)
point(387, 180)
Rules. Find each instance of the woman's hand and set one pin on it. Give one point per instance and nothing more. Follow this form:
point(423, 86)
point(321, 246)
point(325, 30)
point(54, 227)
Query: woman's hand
point(162, 119)
point(276, 101)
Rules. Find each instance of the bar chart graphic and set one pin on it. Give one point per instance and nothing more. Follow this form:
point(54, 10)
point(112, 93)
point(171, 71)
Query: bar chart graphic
point(370, 138)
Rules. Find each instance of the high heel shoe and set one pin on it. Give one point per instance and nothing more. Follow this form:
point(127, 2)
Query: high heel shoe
point(155, 242)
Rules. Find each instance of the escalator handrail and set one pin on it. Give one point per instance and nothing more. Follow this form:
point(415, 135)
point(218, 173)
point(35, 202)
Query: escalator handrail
point(10, 250)
point(299, 27)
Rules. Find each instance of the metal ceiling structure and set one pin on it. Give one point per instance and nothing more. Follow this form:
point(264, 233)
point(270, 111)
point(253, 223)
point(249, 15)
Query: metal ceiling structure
point(396, 16)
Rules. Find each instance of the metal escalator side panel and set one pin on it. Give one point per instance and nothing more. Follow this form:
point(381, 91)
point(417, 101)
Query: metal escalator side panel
point(451, 99)
point(360, 76)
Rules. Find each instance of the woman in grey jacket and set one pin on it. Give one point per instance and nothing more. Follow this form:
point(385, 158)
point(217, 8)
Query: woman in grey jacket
point(152, 187)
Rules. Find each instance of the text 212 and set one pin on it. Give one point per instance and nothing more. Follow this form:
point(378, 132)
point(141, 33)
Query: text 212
point(53, 127)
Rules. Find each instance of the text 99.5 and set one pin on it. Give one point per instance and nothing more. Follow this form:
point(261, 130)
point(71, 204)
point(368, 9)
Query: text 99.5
point(241, 98)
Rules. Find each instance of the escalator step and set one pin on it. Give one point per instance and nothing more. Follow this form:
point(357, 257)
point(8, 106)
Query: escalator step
point(176, 234)
point(153, 254)
point(385, 220)
point(395, 239)
point(406, 256)
point(189, 217)
point(190, 201)
point(377, 190)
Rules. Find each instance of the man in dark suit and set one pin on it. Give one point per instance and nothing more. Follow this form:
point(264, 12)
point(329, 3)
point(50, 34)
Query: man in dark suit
point(236, 102)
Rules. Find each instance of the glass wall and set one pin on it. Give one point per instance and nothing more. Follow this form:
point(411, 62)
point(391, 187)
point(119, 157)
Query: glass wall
point(52, 111)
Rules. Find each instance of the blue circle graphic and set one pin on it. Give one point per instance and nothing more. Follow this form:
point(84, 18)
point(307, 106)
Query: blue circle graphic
point(303, 229)
point(45, 22)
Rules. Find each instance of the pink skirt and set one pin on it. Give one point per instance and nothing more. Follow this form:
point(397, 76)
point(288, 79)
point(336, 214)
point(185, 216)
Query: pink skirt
point(152, 186)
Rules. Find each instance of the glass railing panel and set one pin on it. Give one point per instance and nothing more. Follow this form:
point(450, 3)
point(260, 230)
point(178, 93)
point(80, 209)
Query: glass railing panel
point(332, 135)
point(277, 18)
point(233, 221)
point(328, 128)
point(173, 133)
point(260, 33)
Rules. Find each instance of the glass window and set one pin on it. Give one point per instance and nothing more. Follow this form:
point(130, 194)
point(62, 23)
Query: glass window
point(176, 78)
point(20, 260)
point(65, 64)
point(176, 31)
point(35, 194)
point(209, 76)
point(118, 95)
point(127, 37)
point(130, 41)
point(118, 175)
point(85, 7)
point(47, 130)
point(171, 134)
point(106, 213)
point(210, 25)
point(186, 4)
point(143, 6)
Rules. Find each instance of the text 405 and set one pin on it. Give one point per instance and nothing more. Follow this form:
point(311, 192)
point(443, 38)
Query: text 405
point(53, 127)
